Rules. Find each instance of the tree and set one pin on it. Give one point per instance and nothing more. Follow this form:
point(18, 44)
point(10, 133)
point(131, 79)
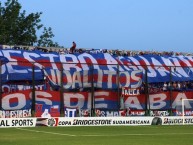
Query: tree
point(45, 39)
point(18, 28)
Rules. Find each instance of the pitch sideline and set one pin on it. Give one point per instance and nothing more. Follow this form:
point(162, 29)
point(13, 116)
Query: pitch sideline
point(46, 132)
point(87, 135)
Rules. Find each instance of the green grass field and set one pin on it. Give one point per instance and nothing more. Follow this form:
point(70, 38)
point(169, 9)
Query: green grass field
point(98, 135)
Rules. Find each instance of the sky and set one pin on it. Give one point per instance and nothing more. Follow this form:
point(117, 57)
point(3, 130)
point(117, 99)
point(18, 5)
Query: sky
point(158, 25)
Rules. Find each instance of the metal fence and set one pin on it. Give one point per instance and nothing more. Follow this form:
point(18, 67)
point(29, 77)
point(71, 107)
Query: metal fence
point(68, 88)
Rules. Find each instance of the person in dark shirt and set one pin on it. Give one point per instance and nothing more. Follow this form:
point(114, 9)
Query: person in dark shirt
point(73, 47)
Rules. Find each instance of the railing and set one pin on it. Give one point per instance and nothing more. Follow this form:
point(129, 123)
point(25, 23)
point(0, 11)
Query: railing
point(92, 91)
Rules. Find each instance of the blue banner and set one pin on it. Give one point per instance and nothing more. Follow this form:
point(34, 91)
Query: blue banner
point(103, 69)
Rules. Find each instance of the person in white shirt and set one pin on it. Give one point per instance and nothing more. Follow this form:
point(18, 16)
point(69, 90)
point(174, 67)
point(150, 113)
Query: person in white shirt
point(45, 114)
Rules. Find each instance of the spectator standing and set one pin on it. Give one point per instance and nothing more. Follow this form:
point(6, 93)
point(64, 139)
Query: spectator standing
point(174, 85)
point(184, 86)
point(73, 47)
point(179, 86)
point(165, 86)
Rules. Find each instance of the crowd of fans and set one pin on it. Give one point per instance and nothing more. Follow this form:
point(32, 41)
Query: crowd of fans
point(180, 86)
point(175, 86)
point(75, 50)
